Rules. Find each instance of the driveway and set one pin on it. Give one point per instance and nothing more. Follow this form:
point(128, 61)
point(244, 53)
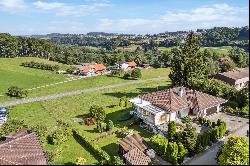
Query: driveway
point(236, 125)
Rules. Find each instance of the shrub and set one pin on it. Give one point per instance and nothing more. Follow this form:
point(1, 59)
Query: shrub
point(172, 153)
point(136, 73)
point(186, 119)
point(229, 109)
point(116, 160)
point(234, 152)
point(199, 145)
point(41, 131)
point(14, 91)
point(171, 129)
point(110, 125)
point(182, 152)
point(159, 143)
point(126, 76)
point(12, 125)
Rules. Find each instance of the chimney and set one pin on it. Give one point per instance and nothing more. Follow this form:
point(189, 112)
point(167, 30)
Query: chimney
point(180, 92)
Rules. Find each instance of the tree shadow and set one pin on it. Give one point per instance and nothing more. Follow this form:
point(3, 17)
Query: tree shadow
point(111, 149)
point(79, 140)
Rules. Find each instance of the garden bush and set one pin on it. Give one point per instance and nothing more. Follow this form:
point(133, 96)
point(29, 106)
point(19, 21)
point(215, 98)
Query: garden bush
point(15, 91)
point(172, 153)
point(12, 125)
point(159, 143)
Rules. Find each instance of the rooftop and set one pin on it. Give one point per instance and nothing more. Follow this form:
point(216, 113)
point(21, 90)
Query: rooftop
point(178, 98)
point(237, 73)
point(22, 148)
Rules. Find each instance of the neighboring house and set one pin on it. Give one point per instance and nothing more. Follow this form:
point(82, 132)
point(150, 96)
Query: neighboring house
point(125, 65)
point(237, 78)
point(22, 148)
point(172, 104)
point(133, 150)
point(92, 69)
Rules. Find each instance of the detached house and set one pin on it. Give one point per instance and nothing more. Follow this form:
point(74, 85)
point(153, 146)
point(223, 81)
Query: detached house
point(125, 65)
point(22, 148)
point(92, 69)
point(237, 78)
point(172, 104)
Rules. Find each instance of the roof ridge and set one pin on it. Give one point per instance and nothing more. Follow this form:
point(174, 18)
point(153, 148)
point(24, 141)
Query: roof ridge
point(16, 139)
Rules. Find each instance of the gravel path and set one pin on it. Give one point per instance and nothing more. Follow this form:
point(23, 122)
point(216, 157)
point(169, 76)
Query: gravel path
point(54, 96)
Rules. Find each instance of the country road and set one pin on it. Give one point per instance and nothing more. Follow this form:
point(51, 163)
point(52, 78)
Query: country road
point(54, 96)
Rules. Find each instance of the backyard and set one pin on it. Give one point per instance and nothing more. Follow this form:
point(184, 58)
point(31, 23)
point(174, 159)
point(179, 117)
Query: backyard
point(74, 108)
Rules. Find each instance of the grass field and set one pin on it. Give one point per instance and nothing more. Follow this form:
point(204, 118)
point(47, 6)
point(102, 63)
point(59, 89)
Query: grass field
point(13, 74)
point(72, 109)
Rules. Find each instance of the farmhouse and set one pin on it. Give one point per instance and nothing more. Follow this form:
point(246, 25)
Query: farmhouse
point(132, 149)
point(92, 69)
point(125, 65)
point(237, 78)
point(22, 148)
point(172, 104)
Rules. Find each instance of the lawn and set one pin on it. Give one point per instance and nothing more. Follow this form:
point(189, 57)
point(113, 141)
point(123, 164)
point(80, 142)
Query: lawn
point(71, 110)
point(31, 78)
point(11, 73)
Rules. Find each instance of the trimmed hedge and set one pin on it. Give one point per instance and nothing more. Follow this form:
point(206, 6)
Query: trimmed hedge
point(39, 65)
point(93, 147)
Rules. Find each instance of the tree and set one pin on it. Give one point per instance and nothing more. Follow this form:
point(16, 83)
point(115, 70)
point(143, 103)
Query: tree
point(182, 152)
point(171, 129)
point(227, 65)
point(80, 161)
point(159, 143)
point(172, 153)
point(239, 56)
point(99, 115)
point(136, 73)
point(189, 138)
point(187, 62)
point(110, 125)
point(234, 152)
point(15, 91)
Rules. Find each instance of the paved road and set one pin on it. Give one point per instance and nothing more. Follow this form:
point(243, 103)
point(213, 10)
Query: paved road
point(208, 157)
point(54, 96)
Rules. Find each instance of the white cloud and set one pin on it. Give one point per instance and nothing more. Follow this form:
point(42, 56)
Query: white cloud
point(201, 17)
point(12, 4)
point(64, 9)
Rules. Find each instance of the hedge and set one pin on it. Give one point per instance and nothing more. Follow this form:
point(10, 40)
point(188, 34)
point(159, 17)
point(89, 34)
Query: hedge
point(159, 143)
point(42, 66)
point(93, 147)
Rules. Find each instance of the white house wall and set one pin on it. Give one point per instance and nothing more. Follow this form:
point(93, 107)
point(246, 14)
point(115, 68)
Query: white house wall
point(172, 116)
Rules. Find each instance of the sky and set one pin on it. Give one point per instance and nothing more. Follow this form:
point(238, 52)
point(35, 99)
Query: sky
point(26, 17)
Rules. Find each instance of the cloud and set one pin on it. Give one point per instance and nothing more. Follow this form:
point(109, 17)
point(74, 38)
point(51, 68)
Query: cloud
point(64, 9)
point(12, 4)
point(201, 17)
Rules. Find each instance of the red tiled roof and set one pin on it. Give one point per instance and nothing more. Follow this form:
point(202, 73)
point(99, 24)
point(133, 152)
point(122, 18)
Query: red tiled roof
point(132, 141)
point(99, 67)
point(137, 157)
point(131, 64)
point(22, 150)
point(85, 69)
point(234, 75)
point(169, 99)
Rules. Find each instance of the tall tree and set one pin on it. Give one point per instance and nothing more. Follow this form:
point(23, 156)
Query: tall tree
point(234, 152)
point(187, 62)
